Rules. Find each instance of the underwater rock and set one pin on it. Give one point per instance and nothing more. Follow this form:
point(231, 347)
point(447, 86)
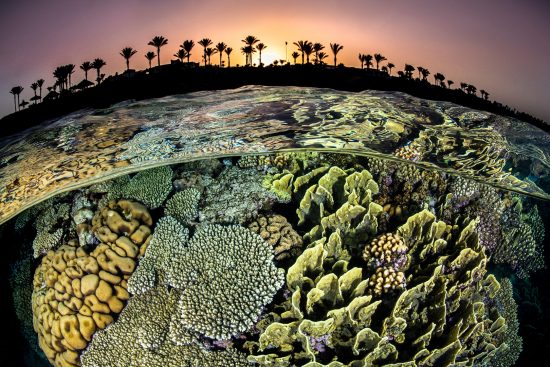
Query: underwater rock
point(77, 292)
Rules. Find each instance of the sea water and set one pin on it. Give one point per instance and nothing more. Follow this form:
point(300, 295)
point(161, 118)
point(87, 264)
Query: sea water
point(276, 226)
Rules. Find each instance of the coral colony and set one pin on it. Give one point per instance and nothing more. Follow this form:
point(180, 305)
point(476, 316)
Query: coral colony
point(291, 259)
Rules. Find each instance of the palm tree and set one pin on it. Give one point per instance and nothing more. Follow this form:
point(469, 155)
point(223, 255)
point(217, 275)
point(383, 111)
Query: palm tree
point(205, 42)
point(188, 46)
point(368, 60)
point(295, 56)
point(425, 73)
point(180, 54)
point(221, 48)
point(449, 83)
point(362, 59)
point(420, 70)
point(484, 94)
point(86, 66)
point(317, 47)
point(409, 69)
point(438, 77)
point(390, 66)
point(16, 91)
point(250, 41)
point(158, 42)
point(97, 64)
point(300, 45)
point(335, 48)
point(308, 50)
point(260, 47)
point(127, 52)
point(321, 57)
point(471, 89)
point(379, 58)
point(228, 51)
point(150, 56)
point(401, 74)
point(61, 74)
point(34, 87)
point(209, 52)
point(40, 83)
point(69, 70)
point(463, 86)
point(384, 69)
point(248, 51)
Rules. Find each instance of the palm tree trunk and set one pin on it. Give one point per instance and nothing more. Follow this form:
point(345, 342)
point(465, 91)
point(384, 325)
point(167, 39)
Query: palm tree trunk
point(149, 64)
point(14, 103)
point(334, 60)
point(220, 59)
point(188, 55)
point(228, 61)
point(302, 57)
point(158, 55)
point(18, 106)
point(127, 64)
point(86, 75)
point(260, 61)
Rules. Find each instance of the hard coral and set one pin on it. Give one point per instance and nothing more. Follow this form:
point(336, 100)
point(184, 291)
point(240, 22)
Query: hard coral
point(278, 232)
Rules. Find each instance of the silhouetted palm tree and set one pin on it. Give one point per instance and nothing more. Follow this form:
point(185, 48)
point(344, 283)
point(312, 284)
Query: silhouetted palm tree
point(60, 73)
point(86, 66)
point(390, 66)
point(158, 42)
point(362, 59)
point(69, 71)
point(463, 86)
point(34, 87)
point(449, 83)
point(368, 60)
point(335, 48)
point(97, 64)
point(40, 83)
point(321, 57)
point(248, 51)
point(127, 52)
point(295, 55)
point(425, 72)
point(484, 94)
point(250, 41)
point(409, 69)
point(384, 69)
point(439, 78)
point(205, 42)
point(23, 103)
point(181, 54)
point(471, 89)
point(188, 46)
point(308, 50)
point(150, 56)
point(16, 91)
point(420, 69)
point(260, 47)
point(300, 45)
point(401, 74)
point(379, 58)
point(317, 47)
point(221, 48)
point(209, 52)
point(228, 51)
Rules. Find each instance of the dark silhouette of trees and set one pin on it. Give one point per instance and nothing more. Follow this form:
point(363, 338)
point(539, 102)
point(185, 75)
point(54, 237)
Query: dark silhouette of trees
point(16, 91)
point(97, 64)
point(368, 61)
point(61, 74)
point(260, 47)
point(300, 45)
point(188, 46)
point(228, 51)
point(127, 52)
point(317, 47)
point(361, 58)
point(449, 83)
point(23, 103)
point(308, 50)
point(181, 54)
point(321, 57)
point(335, 48)
point(408, 70)
point(221, 48)
point(295, 56)
point(379, 58)
point(209, 52)
point(438, 77)
point(484, 94)
point(425, 73)
point(34, 87)
point(150, 56)
point(384, 69)
point(40, 83)
point(248, 50)
point(86, 66)
point(390, 66)
point(205, 42)
point(69, 71)
point(158, 42)
point(471, 89)
point(419, 68)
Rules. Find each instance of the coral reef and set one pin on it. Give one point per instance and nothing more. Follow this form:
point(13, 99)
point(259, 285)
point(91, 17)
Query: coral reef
point(184, 205)
point(147, 146)
point(142, 337)
point(45, 241)
point(278, 162)
point(226, 274)
point(235, 196)
point(77, 292)
point(278, 232)
point(151, 187)
point(440, 319)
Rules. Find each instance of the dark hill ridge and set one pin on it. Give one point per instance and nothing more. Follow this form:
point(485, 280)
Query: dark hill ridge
point(180, 78)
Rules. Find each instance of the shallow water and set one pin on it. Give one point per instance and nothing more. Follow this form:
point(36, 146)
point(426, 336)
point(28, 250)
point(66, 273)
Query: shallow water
point(380, 229)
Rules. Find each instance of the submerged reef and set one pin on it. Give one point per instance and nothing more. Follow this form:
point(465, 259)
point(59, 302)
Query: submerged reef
point(288, 259)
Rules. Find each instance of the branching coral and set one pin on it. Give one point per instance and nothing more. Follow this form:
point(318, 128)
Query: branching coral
point(184, 205)
point(278, 232)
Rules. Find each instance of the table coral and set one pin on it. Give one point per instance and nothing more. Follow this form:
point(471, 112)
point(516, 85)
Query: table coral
point(78, 291)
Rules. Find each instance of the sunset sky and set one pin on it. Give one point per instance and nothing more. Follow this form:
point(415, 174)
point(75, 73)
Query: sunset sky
point(502, 46)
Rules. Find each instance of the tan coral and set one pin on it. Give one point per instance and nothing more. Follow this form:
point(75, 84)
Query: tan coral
point(77, 292)
point(278, 232)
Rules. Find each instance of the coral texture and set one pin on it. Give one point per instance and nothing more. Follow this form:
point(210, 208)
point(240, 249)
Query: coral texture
point(184, 205)
point(278, 232)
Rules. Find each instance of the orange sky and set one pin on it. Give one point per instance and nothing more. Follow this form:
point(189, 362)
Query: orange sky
point(498, 45)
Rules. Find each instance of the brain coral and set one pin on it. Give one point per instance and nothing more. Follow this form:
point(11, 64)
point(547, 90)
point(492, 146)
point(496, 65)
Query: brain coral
point(278, 232)
point(77, 292)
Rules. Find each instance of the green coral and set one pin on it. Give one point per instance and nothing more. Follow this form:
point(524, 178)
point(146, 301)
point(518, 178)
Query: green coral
point(184, 205)
point(226, 274)
point(45, 241)
point(440, 319)
point(150, 187)
point(142, 337)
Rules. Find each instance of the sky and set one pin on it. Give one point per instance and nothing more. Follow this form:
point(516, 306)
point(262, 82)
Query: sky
point(502, 46)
